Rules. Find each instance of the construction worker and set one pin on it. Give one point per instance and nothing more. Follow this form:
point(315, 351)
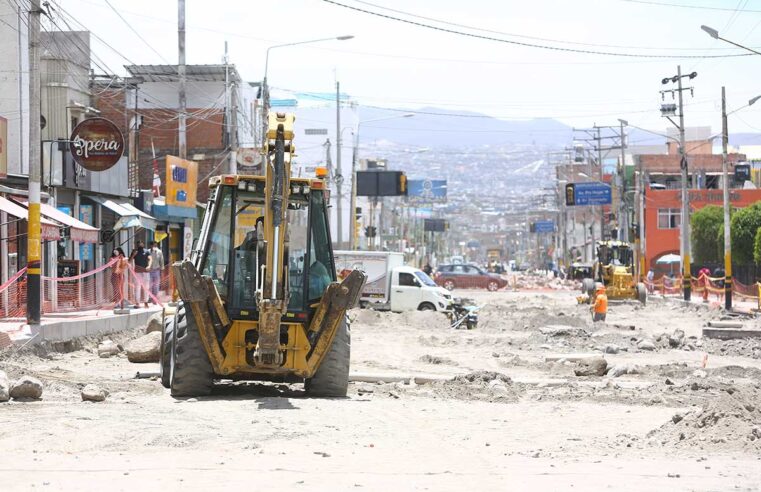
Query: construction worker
point(600, 307)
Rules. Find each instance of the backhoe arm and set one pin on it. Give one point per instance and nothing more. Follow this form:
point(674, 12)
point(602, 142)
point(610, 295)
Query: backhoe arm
point(272, 300)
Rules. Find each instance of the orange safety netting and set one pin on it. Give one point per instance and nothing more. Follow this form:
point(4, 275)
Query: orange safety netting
point(102, 288)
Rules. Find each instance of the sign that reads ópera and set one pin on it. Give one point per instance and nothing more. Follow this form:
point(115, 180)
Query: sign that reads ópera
point(96, 144)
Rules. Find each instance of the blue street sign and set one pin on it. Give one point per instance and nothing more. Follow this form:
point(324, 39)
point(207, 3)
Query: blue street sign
point(543, 226)
point(587, 194)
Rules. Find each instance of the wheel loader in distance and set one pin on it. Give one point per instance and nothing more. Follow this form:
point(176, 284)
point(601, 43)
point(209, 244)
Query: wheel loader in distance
point(614, 269)
point(259, 296)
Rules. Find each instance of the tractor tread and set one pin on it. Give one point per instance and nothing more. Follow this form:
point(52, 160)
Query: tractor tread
point(165, 357)
point(332, 377)
point(192, 374)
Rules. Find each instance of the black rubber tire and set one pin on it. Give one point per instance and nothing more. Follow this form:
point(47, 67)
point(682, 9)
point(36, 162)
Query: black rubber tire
point(642, 293)
point(588, 286)
point(426, 306)
point(449, 284)
point(165, 357)
point(191, 371)
point(492, 286)
point(332, 377)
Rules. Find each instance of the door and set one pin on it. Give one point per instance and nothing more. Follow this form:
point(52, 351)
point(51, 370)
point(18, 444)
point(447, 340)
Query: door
point(405, 292)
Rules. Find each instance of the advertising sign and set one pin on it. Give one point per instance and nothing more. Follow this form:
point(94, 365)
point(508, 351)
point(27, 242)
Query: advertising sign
point(435, 225)
point(427, 191)
point(3, 147)
point(587, 194)
point(542, 226)
point(181, 182)
point(96, 144)
point(249, 160)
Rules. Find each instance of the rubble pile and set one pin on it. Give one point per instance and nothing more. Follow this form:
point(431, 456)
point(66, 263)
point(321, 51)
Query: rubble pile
point(730, 419)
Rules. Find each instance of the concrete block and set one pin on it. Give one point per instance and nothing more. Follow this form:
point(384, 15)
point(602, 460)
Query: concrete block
point(570, 357)
point(725, 324)
point(730, 333)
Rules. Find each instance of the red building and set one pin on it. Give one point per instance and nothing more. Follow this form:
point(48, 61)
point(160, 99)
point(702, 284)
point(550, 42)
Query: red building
point(663, 219)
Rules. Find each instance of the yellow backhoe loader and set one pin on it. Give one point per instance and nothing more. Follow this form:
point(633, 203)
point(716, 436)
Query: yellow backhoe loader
point(259, 297)
point(613, 268)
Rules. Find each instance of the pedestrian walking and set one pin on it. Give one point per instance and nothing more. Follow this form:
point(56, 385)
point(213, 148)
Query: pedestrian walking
point(427, 269)
point(118, 272)
point(650, 278)
point(600, 307)
point(141, 259)
point(157, 266)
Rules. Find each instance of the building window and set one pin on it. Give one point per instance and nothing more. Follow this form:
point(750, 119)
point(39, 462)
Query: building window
point(669, 218)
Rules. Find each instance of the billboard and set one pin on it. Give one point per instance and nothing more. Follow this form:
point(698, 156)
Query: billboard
point(381, 183)
point(587, 194)
point(426, 191)
point(435, 225)
point(181, 182)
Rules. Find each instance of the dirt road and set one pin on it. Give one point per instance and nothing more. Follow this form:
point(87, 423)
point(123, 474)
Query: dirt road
point(495, 412)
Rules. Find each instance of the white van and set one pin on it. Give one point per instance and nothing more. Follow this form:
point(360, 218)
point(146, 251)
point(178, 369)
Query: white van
point(391, 285)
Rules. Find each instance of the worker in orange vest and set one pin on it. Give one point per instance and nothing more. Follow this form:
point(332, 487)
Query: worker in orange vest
point(600, 308)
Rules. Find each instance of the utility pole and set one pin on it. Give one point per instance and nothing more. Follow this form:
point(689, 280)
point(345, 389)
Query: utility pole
point(623, 222)
point(34, 233)
point(685, 215)
point(339, 176)
point(231, 118)
point(725, 175)
point(181, 72)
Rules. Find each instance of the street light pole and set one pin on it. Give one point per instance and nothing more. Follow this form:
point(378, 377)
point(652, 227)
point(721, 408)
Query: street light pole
point(265, 88)
point(339, 175)
point(725, 175)
point(686, 271)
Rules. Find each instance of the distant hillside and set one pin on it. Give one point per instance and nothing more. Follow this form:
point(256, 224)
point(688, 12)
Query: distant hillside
point(435, 127)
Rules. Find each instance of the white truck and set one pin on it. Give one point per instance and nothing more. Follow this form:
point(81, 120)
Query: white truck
point(391, 285)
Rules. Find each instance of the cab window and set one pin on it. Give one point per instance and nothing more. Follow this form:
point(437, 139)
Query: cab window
point(321, 270)
point(407, 280)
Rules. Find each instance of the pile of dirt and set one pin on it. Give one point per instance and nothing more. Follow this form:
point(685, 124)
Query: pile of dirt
point(436, 360)
point(747, 347)
point(729, 420)
point(362, 318)
point(487, 386)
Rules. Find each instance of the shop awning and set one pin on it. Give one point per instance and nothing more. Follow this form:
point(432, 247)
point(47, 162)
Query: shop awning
point(130, 216)
point(50, 229)
point(78, 230)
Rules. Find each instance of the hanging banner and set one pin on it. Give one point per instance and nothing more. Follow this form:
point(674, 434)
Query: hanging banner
point(96, 144)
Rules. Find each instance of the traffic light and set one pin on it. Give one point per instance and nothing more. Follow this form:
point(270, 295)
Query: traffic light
point(370, 231)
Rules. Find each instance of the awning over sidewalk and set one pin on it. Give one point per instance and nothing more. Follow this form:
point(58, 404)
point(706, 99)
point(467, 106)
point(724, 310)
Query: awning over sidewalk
point(50, 229)
point(130, 215)
point(78, 230)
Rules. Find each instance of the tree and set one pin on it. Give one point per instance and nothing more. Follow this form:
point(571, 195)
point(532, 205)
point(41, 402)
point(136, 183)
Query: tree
point(744, 224)
point(757, 247)
point(707, 224)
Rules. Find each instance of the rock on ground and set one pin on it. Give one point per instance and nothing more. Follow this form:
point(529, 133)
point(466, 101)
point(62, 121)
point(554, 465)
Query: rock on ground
point(646, 345)
point(621, 369)
point(92, 392)
point(594, 366)
point(5, 387)
point(676, 338)
point(107, 348)
point(26, 387)
point(155, 323)
point(144, 349)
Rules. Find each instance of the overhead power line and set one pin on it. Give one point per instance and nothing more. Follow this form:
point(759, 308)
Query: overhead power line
point(524, 43)
point(523, 36)
point(687, 6)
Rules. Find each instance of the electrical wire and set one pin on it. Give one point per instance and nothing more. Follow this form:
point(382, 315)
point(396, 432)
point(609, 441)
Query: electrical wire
point(686, 6)
point(523, 43)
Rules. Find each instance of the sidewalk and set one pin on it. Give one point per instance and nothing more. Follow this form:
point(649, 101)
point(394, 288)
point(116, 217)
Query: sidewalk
point(61, 327)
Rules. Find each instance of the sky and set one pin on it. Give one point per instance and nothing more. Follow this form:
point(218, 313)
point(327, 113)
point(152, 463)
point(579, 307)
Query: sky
point(395, 64)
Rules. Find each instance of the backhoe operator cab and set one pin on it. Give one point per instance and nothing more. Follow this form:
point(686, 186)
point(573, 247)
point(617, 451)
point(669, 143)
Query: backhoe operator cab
point(259, 294)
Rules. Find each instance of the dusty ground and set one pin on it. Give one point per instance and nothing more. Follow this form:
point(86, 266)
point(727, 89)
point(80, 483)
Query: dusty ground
point(495, 416)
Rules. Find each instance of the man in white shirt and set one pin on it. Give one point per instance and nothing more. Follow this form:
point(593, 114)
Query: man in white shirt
point(157, 266)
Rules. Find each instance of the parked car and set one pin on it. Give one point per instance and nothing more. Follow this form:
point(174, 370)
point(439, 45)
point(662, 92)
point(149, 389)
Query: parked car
point(467, 277)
